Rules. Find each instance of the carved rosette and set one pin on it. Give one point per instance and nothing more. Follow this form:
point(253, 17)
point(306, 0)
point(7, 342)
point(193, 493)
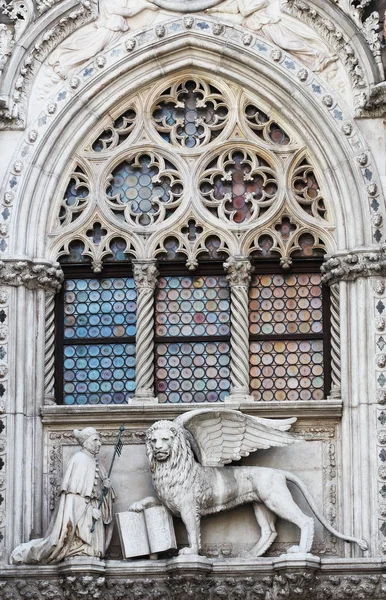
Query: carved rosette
point(238, 269)
point(145, 277)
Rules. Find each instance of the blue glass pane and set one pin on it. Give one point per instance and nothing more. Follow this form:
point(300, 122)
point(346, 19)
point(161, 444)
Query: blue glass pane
point(95, 308)
point(193, 372)
point(192, 306)
point(99, 374)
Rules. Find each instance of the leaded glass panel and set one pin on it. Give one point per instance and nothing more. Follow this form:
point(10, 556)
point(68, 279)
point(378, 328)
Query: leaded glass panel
point(192, 306)
point(193, 372)
point(287, 370)
point(287, 304)
point(286, 337)
point(192, 335)
point(99, 326)
point(99, 374)
point(99, 308)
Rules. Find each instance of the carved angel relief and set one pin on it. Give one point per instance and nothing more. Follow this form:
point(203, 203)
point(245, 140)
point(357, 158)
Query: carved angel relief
point(186, 457)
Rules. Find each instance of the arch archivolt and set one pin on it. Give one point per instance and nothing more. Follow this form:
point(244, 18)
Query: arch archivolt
point(318, 126)
point(337, 26)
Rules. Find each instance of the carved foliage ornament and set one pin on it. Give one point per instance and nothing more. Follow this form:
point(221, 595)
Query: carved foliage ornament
point(292, 586)
point(31, 275)
point(353, 265)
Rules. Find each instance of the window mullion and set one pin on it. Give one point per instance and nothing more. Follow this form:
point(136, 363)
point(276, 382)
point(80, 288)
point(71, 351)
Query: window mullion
point(145, 277)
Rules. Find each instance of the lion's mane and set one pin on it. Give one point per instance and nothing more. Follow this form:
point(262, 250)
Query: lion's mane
point(177, 471)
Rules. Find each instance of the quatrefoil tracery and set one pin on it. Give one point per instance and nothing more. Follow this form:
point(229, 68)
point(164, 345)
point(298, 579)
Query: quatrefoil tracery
point(190, 113)
point(137, 180)
point(238, 186)
point(144, 189)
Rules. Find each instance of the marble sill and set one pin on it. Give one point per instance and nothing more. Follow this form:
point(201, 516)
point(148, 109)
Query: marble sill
point(150, 412)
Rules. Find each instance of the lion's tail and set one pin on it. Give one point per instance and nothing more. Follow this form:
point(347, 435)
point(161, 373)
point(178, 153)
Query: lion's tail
point(293, 479)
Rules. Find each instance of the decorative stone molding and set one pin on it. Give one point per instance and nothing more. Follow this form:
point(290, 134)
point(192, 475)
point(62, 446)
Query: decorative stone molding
point(31, 274)
point(333, 35)
point(352, 265)
point(15, 96)
point(238, 269)
point(3, 467)
point(292, 580)
point(380, 383)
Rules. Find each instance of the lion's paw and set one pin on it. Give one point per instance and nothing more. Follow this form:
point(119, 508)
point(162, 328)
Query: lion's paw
point(294, 550)
point(188, 550)
point(135, 507)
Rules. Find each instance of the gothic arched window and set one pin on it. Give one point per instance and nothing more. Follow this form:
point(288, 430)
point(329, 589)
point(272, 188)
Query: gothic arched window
point(188, 174)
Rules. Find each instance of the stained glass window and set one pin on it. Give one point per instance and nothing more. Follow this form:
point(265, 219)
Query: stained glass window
point(287, 323)
point(192, 339)
point(99, 326)
point(143, 189)
point(190, 113)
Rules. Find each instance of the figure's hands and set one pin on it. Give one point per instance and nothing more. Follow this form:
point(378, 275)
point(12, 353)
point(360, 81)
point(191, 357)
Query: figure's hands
point(96, 514)
point(107, 483)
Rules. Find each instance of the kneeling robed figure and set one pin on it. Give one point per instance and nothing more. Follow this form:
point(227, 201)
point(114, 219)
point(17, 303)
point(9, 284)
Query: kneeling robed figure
point(186, 456)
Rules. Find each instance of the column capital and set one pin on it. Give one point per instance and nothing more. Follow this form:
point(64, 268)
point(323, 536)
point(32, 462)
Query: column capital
point(238, 269)
point(349, 265)
point(145, 273)
point(31, 273)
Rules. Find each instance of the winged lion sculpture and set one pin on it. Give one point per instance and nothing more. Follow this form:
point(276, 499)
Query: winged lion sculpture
point(186, 456)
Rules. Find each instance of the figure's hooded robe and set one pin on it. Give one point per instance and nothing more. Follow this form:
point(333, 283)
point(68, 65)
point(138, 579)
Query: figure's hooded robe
point(69, 533)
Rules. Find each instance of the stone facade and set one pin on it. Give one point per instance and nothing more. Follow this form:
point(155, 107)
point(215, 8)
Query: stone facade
point(298, 88)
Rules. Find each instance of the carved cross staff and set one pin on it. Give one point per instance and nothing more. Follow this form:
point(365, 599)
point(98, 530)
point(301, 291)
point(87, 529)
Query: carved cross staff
point(117, 451)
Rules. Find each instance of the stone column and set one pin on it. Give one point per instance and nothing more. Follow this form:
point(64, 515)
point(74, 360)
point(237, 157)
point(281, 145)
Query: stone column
point(145, 277)
point(362, 371)
point(335, 341)
point(238, 270)
point(24, 285)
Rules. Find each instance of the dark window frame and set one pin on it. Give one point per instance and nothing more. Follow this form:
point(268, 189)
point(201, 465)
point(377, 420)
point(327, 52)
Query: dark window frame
point(205, 268)
point(268, 266)
point(82, 271)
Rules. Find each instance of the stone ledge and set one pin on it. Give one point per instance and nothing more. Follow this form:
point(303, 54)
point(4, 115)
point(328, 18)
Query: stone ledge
point(292, 577)
point(148, 413)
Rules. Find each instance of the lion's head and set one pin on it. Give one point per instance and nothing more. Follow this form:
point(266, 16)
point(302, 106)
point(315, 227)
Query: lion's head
point(167, 447)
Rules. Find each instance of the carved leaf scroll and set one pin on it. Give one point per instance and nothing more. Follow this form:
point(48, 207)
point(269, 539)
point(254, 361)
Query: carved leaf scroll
point(219, 437)
point(238, 186)
point(190, 113)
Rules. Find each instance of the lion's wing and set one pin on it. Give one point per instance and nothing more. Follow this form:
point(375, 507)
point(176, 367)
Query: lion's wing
point(222, 436)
